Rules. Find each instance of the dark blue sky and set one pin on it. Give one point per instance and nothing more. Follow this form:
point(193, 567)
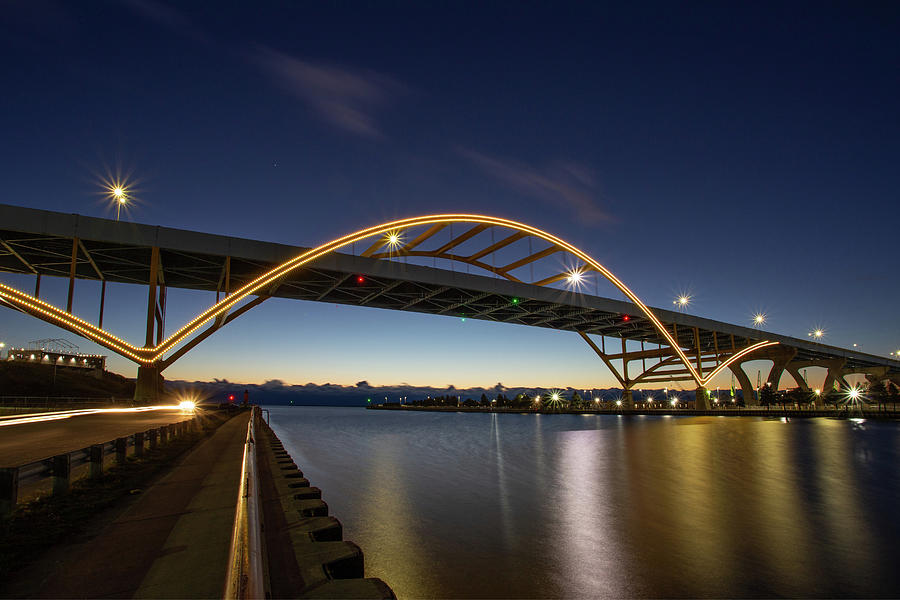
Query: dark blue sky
point(745, 153)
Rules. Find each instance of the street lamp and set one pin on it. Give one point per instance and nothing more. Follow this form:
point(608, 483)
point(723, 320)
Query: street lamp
point(575, 277)
point(759, 319)
point(682, 301)
point(118, 193)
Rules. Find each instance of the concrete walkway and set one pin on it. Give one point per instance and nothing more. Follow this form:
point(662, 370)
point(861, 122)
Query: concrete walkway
point(173, 542)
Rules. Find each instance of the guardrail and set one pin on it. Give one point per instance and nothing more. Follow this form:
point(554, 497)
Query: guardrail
point(245, 577)
point(59, 467)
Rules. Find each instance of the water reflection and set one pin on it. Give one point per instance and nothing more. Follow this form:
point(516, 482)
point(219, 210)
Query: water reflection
point(502, 506)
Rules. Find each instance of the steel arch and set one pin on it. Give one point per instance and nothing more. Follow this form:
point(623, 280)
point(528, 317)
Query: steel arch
point(151, 354)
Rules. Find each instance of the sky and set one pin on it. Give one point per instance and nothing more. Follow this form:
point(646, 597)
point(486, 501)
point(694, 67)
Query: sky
point(743, 153)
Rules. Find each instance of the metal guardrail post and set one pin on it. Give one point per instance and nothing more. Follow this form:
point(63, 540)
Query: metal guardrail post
point(245, 577)
point(96, 458)
point(121, 450)
point(9, 489)
point(139, 444)
point(61, 468)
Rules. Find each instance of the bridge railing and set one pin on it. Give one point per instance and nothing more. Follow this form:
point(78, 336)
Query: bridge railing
point(245, 579)
point(59, 468)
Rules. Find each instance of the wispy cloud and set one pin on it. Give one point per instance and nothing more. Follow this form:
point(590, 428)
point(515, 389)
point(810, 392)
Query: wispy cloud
point(169, 18)
point(345, 98)
point(563, 184)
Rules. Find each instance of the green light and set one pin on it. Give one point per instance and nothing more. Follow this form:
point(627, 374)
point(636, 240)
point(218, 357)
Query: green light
point(368, 399)
point(463, 319)
point(515, 300)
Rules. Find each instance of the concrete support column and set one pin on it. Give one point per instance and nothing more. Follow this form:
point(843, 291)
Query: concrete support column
point(60, 469)
point(779, 364)
point(153, 433)
point(627, 399)
point(830, 378)
point(121, 450)
point(96, 458)
point(701, 399)
point(9, 490)
point(798, 377)
point(139, 444)
point(835, 373)
point(746, 386)
point(148, 384)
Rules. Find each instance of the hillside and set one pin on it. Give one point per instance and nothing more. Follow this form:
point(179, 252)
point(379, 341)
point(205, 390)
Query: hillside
point(24, 379)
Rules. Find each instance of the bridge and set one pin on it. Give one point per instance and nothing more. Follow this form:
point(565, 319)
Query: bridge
point(521, 275)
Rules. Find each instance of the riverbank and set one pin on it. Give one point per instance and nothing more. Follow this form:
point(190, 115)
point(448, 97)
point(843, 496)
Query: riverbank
point(772, 412)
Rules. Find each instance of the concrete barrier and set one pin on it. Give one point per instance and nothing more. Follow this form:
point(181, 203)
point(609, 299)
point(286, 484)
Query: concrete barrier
point(59, 468)
point(139, 444)
point(323, 563)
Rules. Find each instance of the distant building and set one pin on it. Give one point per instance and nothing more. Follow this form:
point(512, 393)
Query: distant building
point(59, 352)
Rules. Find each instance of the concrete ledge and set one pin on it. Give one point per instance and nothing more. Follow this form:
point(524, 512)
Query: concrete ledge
point(307, 493)
point(321, 561)
point(351, 588)
point(311, 508)
point(319, 529)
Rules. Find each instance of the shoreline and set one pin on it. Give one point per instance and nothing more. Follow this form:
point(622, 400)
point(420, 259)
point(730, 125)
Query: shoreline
point(886, 415)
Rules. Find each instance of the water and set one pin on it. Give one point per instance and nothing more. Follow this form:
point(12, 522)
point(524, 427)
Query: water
point(453, 505)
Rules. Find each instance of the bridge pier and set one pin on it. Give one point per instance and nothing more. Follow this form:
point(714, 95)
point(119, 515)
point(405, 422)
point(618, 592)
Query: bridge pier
point(798, 377)
point(746, 386)
point(780, 361)
point(701, 399)
point(148, 385)
point(627, 399)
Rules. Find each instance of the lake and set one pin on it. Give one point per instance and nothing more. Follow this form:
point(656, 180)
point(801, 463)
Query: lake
point(461, 505)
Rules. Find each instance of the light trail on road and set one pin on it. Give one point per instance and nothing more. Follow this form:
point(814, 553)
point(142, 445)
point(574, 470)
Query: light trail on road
point(66, 414)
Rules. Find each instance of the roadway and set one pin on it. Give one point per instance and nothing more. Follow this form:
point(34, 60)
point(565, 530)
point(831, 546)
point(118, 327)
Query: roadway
point(37, 439)
point(171, 541)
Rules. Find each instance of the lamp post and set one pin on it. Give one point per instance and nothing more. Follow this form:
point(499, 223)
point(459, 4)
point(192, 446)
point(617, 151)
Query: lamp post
point(120, 196)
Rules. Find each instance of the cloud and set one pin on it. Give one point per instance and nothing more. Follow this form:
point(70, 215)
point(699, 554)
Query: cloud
point(345, 98)
point(564, 184)
point(169, 18)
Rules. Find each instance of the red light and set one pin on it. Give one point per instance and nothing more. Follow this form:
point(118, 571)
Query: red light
point(231, 397)
point(626, 318)
point(360, 279)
